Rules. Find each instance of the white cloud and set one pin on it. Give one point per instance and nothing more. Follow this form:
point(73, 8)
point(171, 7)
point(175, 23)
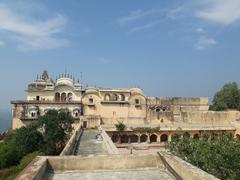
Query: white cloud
point(32, 33)
point(146, 26)
point(134, 15)
point(205, 42)
point(200, 30)
point(220, 11)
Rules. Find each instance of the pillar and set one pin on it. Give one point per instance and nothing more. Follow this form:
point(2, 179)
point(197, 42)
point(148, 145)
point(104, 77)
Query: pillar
point(169, 137)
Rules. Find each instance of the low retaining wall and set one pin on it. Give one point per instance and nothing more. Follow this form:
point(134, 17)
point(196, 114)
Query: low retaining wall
point(36, 170)
point(111, 148)
point(71, 145)
point(184, 169)
point(104, 162)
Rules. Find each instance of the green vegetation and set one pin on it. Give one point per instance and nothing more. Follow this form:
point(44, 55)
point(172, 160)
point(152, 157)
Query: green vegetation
point(216, 154)
point(57, 126)
point(120, 126)
point(47, 136)
point(12, 172)
point(146, 129)
point(227, 98)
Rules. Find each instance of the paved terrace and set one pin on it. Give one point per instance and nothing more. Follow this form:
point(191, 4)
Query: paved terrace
point(89, 145)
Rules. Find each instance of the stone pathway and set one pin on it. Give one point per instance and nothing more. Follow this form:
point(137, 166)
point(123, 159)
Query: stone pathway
point(88, 144)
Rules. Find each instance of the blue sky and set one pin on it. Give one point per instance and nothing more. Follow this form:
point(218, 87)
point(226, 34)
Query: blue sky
point(168, 48)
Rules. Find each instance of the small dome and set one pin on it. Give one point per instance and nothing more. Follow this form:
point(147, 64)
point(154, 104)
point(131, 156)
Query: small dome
point(64, 81)
point(137, 90)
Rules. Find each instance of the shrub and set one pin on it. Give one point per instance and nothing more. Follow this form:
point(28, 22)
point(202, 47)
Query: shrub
point(219, 156)
point(146, 129)
point(120, 126)
point(27, 139)
point(9, 154)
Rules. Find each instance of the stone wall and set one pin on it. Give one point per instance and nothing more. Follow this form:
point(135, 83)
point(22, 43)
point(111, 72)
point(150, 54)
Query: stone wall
point(72, 143)
point(210, 117)
point(184, 169)
point(111, 148)
point(104, 162)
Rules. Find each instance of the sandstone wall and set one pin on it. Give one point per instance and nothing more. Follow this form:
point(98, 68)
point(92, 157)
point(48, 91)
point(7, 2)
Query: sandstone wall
point(210, 117)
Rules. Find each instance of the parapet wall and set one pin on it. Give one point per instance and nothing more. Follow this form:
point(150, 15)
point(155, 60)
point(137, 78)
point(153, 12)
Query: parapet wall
point(111, 148)
point(184, 169)
point(104, 162)
point(210, 117)
point(72, 143)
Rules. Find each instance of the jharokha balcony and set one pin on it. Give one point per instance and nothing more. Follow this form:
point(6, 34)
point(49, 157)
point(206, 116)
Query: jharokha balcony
point(44, 102)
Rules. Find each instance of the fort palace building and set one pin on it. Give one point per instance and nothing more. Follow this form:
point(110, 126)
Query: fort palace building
point(92, 107)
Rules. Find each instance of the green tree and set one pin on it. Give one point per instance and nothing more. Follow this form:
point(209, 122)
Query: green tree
point(56, 126)
point(218, 154)
point(227, 98)
point(9, 154)
point(27, 139)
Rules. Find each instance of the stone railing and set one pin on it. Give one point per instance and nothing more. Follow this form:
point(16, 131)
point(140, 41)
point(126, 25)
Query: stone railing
point(72, 143)
point(111, 148)
point(182, 169)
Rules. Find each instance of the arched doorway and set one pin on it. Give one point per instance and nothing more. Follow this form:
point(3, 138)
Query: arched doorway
point(63, 97)
point(134, 138)
point(164, 138)
point(143, 138)
point(57, 96)
point(196, 136)
point(153, 138)
point(124, 139)
point(115, 138)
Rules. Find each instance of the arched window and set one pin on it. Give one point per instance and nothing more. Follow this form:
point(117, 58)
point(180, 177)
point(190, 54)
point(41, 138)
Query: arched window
point(63, 97)
point(134, 138)
point(33, 114)
point(153, 138)
point(107, 97)
point(57, 96)
point(164, 138)
point(143, 138)
point(124, 139)
point(122, 97)
point(115, 138)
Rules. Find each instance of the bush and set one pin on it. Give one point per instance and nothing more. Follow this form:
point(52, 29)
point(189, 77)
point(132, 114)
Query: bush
point(219, 155)
point(27, 139)
point(120, 126)
point(12, 172)
point(9, 154)
point(146, 129)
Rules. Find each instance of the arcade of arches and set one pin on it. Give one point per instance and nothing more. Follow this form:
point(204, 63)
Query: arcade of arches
point(159, 137)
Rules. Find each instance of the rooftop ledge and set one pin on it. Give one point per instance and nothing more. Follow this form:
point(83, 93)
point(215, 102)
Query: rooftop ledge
point(44, 102)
